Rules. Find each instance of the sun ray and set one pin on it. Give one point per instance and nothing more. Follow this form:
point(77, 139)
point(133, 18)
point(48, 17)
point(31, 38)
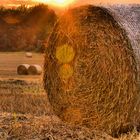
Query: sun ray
point(57, 3)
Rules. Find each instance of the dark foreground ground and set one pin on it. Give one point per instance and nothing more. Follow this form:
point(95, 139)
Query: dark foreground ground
point(25, 114)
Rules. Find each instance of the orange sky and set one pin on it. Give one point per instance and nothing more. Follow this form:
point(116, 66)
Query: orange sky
point(30, 2)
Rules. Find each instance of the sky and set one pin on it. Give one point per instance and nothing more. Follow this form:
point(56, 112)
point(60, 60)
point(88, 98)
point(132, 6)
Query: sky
point(8, 3)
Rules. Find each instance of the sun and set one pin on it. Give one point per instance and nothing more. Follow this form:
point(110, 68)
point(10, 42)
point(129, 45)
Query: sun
point(58, 3)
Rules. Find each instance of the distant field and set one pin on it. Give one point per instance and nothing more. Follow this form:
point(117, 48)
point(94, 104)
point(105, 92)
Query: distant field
point(10, 60)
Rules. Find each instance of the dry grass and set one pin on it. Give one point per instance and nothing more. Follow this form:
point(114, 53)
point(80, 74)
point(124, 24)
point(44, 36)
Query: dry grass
point(43, 128)
point(131, 136)
point(21, 97)
point(25, 114)
point(30, 117)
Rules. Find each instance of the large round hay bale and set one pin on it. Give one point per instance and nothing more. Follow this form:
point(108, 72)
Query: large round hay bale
point(92, 68)
point(23, 69)
point(35, 70)
point(29, 54)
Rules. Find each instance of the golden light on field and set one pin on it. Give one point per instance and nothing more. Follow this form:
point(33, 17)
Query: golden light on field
point(57, 3)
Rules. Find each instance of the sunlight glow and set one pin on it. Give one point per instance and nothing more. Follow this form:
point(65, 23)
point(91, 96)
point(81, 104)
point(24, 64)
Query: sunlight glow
point(57, 3)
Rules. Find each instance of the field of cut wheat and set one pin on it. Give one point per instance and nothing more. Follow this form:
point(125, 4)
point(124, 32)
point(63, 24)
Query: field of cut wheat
point(25, 112)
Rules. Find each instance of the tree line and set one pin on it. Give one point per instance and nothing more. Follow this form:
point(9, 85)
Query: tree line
point(24, 28)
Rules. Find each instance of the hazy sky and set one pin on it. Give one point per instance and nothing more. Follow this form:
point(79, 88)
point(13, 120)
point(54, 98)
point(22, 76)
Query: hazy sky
point(110, 1)
point(17, 2)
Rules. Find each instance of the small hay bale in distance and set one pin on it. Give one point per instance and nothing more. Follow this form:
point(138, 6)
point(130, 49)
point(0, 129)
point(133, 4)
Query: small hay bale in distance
point(29, 54)
point(35, 70)
point(23, 69)
point(91, 71)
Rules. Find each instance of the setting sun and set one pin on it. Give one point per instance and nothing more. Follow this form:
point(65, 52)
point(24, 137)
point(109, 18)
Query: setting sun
point(58, 3)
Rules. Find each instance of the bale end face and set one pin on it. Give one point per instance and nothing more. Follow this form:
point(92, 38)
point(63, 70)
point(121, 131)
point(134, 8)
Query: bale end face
point(23, 69)
point(35, 70)
point(90, 71)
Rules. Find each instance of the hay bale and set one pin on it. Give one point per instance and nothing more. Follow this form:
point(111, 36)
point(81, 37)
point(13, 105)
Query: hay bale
point(92, 68)
point(35, 70)
point(29, 54)
point(23, 69)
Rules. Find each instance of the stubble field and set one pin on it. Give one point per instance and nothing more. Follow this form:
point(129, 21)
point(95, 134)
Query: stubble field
point(25, 113)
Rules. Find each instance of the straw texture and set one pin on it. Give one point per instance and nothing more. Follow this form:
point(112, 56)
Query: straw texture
point(91, 70)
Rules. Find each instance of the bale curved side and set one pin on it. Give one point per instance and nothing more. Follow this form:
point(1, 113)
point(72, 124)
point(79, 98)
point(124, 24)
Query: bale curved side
point(128, 17)
point(23, 69)
point(91, 71)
